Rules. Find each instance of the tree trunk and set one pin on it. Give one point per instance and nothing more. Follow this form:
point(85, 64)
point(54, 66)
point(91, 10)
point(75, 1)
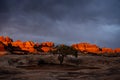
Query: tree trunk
point(61, 59)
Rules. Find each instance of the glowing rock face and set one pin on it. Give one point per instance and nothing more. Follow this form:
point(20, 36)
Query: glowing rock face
point(6, 40)
point(117, 50)
point(46, 49)
point(17, 43)
point(86, 47)
point(2, 39)
point(32, 47)
point(27, 46)
point(47, 46)
point(107, 50)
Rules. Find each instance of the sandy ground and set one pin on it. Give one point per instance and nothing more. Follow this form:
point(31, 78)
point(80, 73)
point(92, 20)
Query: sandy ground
point(88, 68)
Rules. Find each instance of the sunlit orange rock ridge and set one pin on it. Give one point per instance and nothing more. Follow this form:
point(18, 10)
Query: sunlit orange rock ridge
point(92, 48)
point(32, 47)
point(117, 50)
point(107, 50)
point(47, 46)
point(27, 46)
point(87, 47)
point(6, 40)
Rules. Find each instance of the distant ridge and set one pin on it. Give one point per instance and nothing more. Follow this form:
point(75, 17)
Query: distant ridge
point(7, 44)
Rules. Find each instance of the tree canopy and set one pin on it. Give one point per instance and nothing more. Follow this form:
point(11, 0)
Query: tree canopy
point(64, 50)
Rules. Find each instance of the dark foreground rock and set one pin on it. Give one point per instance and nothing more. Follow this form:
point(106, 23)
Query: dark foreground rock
point(46, 67)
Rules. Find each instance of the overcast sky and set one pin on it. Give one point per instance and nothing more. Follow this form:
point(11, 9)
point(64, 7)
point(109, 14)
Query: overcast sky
point(62, 21)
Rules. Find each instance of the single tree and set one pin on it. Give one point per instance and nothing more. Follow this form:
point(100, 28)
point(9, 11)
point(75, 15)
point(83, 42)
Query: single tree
point(64, 50)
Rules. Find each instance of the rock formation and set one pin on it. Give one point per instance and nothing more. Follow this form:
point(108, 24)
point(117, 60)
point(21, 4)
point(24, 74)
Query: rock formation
point(47, 46)
point(87, 47)
point(30, 46)
point(7, 44)
point(107, 50)
point(2, 49)
point(27, 46)
point(6, 40)
point(18, 43)
point(117, 50)
point(2, 39)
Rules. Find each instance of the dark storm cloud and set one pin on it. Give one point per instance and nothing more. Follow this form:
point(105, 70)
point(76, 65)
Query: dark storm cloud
point(3, 12)
point(62, 21)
